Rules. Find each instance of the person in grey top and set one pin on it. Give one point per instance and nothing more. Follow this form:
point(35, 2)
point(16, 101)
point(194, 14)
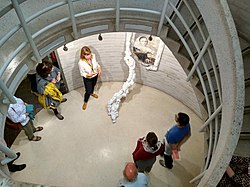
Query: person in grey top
point(47, 73)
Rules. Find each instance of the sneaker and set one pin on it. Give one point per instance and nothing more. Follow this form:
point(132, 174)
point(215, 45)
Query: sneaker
point(18, 155)
point(84, 106)
point(59, 116)
point(162, 163)
point(94, 95)
point(14, 167)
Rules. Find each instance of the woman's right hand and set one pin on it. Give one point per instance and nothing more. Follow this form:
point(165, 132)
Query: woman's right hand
point(54, 81)
point(90, 74)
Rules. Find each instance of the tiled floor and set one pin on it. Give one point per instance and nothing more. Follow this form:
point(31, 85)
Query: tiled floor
point(87, 150)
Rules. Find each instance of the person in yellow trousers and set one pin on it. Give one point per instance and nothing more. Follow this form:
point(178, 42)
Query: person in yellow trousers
point(90, 70)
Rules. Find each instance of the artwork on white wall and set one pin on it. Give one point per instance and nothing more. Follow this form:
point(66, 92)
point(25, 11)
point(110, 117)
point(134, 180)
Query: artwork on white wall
point(147, 50)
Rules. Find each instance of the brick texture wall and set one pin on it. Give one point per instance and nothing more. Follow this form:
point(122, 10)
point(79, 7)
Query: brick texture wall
point(170, 77)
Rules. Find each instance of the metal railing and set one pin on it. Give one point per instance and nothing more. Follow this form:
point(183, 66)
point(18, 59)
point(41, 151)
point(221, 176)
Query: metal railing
point(212, 111)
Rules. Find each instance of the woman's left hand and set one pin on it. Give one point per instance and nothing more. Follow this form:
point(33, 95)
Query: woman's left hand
point(54, 81)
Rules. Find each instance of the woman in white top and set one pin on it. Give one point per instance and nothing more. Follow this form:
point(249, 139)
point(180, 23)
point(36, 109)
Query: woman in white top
point(90, 70)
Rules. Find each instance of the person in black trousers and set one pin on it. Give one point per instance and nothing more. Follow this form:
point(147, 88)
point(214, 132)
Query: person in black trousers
point(175, 137)
point(14, 167)
point(90, 70)
point(47, 73)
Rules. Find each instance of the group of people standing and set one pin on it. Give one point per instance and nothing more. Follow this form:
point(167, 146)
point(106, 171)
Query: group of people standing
point(48, 79)
point(46, 83)
point(47, 87)
point(149, 147)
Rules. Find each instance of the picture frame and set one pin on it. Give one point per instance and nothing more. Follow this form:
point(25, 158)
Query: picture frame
point(147, 50)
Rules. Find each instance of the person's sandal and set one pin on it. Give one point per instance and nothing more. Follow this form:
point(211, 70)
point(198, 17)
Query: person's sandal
point(59, 116)
point(36, 138)
point(64, 100)
point(38, 129)
point(94, 95)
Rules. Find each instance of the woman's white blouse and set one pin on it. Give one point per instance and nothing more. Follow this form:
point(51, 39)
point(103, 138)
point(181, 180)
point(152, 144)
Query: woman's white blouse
point(85, 68)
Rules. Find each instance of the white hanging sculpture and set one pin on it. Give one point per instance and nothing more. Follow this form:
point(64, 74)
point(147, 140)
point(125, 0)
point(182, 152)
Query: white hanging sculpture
point(114, 102)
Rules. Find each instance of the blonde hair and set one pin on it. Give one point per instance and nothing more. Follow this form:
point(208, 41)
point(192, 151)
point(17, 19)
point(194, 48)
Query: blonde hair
point(85, 51)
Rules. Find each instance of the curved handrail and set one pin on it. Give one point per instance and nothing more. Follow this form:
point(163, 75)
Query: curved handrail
point(201, 78)
point(230, 65)
point(222, 98)
point(213, 66)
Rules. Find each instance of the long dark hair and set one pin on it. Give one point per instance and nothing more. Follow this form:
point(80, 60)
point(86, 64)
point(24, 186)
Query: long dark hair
point(43, 69)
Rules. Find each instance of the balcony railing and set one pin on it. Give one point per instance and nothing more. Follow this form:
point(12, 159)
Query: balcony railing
point(198, 43)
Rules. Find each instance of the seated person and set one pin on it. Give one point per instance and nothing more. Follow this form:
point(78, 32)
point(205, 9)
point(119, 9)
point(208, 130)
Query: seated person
point(237, 173)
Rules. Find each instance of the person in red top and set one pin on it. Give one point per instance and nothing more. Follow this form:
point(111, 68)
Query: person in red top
point(146, 150)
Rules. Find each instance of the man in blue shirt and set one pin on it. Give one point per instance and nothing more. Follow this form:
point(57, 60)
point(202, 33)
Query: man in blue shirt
point(175, 138)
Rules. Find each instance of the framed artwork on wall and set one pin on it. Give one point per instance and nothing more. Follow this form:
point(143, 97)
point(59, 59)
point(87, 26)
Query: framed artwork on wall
point(147, 50)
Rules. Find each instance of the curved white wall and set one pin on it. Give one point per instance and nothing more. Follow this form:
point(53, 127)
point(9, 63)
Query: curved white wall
point(170, 77)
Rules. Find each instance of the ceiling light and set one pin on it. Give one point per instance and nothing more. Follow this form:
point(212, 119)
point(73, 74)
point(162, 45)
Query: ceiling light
point(150, 38)
point(100, 37)
point(65, 48)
